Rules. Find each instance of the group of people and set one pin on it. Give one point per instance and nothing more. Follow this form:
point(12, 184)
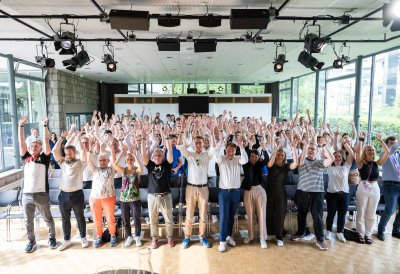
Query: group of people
point(113, 152)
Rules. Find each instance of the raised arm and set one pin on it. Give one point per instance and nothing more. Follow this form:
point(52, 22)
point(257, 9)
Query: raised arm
point(143, 151)
point(21, 136)
point(46, 145)
point(90, 160)
point(303, 154)
point(244, 158)
point(329, 157)
point(115, 162)
point(350, 151)
point(358, 149)
point(57, 147)
point(385, 155)
point(170, 156)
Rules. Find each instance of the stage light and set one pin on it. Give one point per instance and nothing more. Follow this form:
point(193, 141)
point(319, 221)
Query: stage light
point(314, 43)
point(77, 61)
point(110, 62)
point(279, 62)
point(338, 63)
point(45, 62)
point(391, 13)
point(307, 60)
point(65, 42)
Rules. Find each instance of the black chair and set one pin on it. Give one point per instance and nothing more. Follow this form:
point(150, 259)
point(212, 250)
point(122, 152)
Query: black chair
point(7, 200)
point(291, 207)
point(175, 195)
point(143, 192)
point(213, 208)
point(54, 183)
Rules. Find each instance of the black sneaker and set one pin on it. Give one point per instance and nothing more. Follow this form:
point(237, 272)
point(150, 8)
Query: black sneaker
point(297, 237)
point(30, 247)
point(381, 236)
point(52, 243)
point(396, 235)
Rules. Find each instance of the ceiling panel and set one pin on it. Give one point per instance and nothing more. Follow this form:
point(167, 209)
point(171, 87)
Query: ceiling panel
point(233, 62)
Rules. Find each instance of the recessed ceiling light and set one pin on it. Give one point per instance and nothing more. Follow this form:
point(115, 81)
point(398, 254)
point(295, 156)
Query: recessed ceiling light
point(173, 69)
point(118, 48)
point(87, 67)
point(209, 57)
point(231, 73)
point(240, 64)
point(109, 77)
point(99, 73)
point(169, 57)
point(259, 48)
point(189, 48)
point(189, 73)
point(189, 64)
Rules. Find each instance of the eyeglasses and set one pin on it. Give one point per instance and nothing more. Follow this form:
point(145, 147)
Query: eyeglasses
point(311, 148)
point(158, 155)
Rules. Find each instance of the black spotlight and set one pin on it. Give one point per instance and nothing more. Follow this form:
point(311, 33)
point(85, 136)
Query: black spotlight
point(65, 42)
point(338, 63)
point(391, 13)
point(110, 62)
point(77, 61)
point(315, 44)
point(279, 62)
point(310, 62)
point(45, 62)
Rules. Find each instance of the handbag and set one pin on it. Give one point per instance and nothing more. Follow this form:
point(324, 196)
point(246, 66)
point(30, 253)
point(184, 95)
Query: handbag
point(350, 234)
point(354, 176)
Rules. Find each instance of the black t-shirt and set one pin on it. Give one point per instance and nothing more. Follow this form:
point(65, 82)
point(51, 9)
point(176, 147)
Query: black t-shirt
point(365, 171)
point(35, 166)
point(159, 177)
point(277, 176)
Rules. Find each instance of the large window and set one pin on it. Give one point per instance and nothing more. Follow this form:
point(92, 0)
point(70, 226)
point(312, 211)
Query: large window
point(252, 89)
point(380, 78)
point(284, 100)
point(6, 140)
point(386, 96)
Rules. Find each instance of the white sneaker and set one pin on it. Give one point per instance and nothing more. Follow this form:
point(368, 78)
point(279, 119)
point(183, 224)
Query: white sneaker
point(128, 241)
point(263, 244)
point(214, 219)
point(147, 219)
point(247, 240)
point(328, 235)
point(340, 237)
point(85, 242)
point(350, 217)
point(270, 237)
point(222, 246)
point(64, 244)
point(138, 242)
point(279, 242)
point(230, 241)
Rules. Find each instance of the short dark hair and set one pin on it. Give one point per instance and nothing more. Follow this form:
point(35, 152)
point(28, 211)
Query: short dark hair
point(198, 137)
point(172, 136)
point(254, 151)
point(390, 138)
point(71, 148)
point(231, 144)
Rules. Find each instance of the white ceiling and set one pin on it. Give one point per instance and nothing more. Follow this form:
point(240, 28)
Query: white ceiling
point(233, 62)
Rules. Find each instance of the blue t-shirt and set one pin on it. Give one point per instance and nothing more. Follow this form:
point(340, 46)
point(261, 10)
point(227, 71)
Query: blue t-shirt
point(176, 154)
point(391, 168)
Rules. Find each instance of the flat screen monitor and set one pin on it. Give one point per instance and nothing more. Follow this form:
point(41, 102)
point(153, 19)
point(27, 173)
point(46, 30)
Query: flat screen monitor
point(189, 104)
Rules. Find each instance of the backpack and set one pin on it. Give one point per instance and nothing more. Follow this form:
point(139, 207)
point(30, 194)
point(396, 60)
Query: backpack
point(106, 237)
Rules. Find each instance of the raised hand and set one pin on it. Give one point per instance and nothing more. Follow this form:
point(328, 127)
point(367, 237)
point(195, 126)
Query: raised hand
point(23, 120)
point(45, 120)
point(64, 134)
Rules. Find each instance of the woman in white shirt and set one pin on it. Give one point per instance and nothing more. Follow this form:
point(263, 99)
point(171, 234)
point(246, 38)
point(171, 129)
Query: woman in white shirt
point(337, 197)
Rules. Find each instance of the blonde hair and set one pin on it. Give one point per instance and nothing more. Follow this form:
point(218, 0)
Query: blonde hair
point(104, 155)
point(284, 153)
point(363, 156)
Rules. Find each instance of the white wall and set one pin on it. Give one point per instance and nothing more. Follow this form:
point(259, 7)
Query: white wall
point(240, 110)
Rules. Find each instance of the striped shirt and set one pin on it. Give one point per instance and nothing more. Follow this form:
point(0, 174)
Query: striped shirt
point(311, 176)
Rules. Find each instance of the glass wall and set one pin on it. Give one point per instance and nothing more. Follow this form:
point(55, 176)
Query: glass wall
point(30, 101)
point(284, 99)
point(380, 78)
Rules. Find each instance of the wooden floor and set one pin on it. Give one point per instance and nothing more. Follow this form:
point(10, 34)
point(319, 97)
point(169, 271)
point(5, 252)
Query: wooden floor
point(293, 257)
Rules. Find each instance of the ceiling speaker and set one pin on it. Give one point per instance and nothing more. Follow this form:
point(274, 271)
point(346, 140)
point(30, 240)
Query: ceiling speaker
point(205, 45)
point(249, 19)
point(168, 44)
point(129, 19)
point(210, 21)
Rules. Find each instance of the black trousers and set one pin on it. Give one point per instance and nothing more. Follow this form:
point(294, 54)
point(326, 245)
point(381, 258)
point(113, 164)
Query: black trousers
point(133, 209)
point(337, 202)
point(72, 201)
point(315, 201)
point(118, 183)
point(87, 184)
point(276, 211)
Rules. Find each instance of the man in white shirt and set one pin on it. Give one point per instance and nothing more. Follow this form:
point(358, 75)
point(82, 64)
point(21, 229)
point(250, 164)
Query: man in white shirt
point(229, 194)
point(33, 137)
point(36, 184)
point(197, 186)
point(71, 195)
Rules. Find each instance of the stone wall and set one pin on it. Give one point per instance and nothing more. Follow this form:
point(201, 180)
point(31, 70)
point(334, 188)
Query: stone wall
point(9, 177)
point(69, 93)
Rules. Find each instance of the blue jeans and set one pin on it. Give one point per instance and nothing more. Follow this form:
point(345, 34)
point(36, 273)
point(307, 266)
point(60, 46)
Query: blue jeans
point(228, 205)
point(391, 193)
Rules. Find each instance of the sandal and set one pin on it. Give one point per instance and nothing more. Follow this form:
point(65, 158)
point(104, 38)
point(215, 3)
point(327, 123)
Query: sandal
point(368, 240)
point(361, 239)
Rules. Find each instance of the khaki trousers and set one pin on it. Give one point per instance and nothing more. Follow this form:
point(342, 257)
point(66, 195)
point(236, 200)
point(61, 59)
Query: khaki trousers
point(255, 201)
point(195, 195)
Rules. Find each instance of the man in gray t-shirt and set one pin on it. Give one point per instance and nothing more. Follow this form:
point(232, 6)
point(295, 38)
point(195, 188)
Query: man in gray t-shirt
point(310, 192)
point(391, 188)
